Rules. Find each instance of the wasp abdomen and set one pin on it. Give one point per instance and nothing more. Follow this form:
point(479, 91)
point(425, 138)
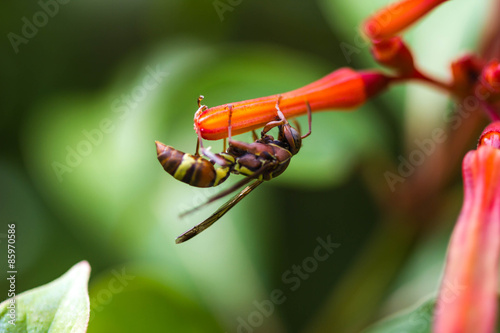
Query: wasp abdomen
point(190, 169)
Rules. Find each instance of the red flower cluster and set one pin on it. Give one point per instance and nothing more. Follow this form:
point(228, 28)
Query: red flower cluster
point(474, 249)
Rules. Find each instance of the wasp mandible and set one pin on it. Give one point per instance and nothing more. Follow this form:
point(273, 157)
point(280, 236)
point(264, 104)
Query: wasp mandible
point(264, 159)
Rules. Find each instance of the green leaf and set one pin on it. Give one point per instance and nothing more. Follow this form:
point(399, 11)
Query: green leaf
point(59, 306)
point(418, 320)
point(133, 299)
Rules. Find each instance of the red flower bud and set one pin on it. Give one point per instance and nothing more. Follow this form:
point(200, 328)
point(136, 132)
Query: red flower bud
point(465, 72)
point(392, 19)
point(490, 76)
point(393, 53)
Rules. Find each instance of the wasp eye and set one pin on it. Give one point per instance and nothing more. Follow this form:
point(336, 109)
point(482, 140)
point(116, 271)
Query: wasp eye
point(294, 139)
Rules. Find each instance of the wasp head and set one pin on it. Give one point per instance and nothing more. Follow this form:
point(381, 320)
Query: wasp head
point(291, 137)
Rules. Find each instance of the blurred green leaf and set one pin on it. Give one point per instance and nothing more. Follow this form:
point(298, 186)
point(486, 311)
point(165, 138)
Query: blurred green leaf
point(59, 306)
point(418, 320)
point(125, 300)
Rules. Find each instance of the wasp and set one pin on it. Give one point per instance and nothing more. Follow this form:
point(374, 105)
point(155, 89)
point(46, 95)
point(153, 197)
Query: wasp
point(262, 160)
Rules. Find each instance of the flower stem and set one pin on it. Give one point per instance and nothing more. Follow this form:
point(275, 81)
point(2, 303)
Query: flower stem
point(424, 77)
point(491, 111)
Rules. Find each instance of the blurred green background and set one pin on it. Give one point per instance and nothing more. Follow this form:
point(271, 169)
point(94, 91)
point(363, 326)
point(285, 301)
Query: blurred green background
point(80, 178)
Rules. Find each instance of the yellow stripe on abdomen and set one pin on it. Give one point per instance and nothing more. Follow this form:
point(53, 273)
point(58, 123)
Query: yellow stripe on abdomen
point(186, 163)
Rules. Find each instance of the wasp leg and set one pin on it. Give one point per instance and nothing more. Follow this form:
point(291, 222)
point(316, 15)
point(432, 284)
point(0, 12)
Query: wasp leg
point(281, 119)
point(254, 136)
point(309, 119)
point(237, 144)
point(197, 148)
point(199, 143)
point(229, 126)
point(248, 147)
point(214, 158)
point(272, 124)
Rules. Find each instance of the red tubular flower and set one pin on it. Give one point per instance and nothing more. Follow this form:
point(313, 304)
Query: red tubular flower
point(392, 19)
point(393, 53)
point(468, 296)
point(343, 88)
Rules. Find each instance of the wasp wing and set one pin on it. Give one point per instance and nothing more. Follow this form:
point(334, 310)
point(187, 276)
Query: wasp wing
point(229, 190)
point(218, 214)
